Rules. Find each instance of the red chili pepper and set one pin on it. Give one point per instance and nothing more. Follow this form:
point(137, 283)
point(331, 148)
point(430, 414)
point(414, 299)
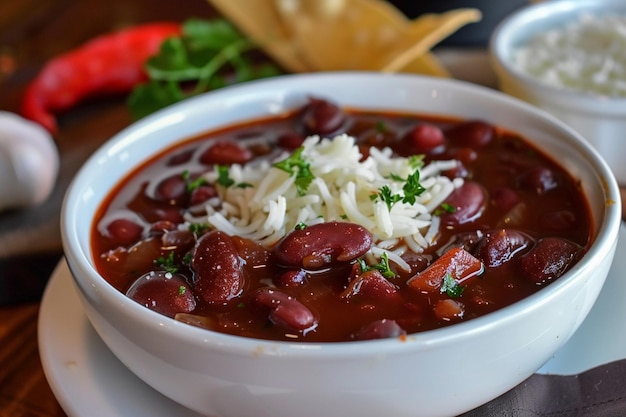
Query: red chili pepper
point(108, 64)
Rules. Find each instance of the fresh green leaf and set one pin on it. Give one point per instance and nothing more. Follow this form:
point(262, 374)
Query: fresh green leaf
point(198, 228)
point(223, 176)
point(383, 266)
point(167, 262)
point(444, 208)
point(295, 164)
point(152, 96)
point(416, 161)
point(209, 54)
point(412, 188)
point(451, 287)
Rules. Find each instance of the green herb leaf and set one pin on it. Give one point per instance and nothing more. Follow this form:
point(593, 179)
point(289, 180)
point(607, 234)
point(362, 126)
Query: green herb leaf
point(382, 266)
point(223, 176)
point(182, 290)
point(168, 263)
point(416, 161)
point(444, 208)
point(451, 287)
point(198, 228)
point(412, 188)
point(209, 54)
point(295, 164)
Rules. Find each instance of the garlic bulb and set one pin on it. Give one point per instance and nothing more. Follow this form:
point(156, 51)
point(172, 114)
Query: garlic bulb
point(29, 162)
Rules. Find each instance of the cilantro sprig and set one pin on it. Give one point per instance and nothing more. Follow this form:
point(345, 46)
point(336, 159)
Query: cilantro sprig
point(168, 263)
point(451, 286)
point(411, 189)
point(382, 266)
point(209, 54)
point(296, 165)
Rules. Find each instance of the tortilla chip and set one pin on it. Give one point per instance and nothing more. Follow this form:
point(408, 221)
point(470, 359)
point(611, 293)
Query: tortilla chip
point(430, 29)
point(365, 34)
point(258, 20)
point(427, 64)
point(327, 35)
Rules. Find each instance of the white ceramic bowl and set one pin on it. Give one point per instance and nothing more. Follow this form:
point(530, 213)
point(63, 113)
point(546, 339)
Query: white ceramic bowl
point(600, 119)
point(436, 373)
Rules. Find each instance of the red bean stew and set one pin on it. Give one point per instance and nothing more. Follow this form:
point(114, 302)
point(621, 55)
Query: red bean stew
point(514, 223)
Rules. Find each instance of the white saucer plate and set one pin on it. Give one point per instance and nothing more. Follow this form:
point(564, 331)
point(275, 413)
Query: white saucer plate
point(89, 381)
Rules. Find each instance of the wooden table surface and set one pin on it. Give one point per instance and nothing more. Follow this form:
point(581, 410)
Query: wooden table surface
point(32, 31)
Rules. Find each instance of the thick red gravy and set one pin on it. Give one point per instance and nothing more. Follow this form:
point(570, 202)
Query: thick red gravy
point(525, 220)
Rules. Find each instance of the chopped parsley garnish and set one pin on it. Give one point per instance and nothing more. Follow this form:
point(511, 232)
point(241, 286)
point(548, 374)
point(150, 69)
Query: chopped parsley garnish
point(198, 228)
point(451, 287)
point(182, 290)
point(382, 266)
point(444, 208)
point(167, 262)
point(411, 189)
point(193, 184)
point(223, 176)
point(224, 179)
point(295, 164)
point(300, 226)
point(381, 126)
point(416, 161)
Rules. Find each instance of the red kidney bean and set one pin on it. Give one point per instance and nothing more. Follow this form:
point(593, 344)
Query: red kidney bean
point(380, 329)
point(172, 190)
point(465, 240)
point(217, 269)
point(291, 278)
point(371, 285)
point(378, 136)
point(504, 198)
point(226, 153)
point(549, 259)
point(424, 138)
point(473, 133)
point(161, 226)
point(417, 261)
point(201, 194)
point(323, 244)
point(178, 240)
point(286, 311)
point(180, 158)
point(322, 117)
point(124, 231)
point(500, 246)
point(465, 155)
point(539, 180)
point(467, 202)
point(163, 292)
point(290, 140)
point(171, 214)
point(559, 221)
point(254, 254)
point(459, 171)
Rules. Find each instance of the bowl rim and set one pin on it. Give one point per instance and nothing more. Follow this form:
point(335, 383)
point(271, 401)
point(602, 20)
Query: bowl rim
point(605, 236)
point(503, 37)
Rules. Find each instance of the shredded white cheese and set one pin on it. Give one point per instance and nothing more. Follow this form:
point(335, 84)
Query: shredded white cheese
point(270, 206)
point(586, 55)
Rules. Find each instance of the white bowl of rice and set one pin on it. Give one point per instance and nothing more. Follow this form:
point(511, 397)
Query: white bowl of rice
point(432, 373)
point(568, 57)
